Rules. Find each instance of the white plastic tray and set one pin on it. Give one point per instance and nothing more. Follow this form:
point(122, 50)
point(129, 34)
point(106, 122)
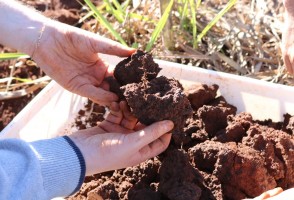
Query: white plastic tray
point(53, 110)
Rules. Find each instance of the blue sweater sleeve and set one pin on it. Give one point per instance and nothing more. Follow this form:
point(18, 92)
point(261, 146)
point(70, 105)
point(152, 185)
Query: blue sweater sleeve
point(42, 169)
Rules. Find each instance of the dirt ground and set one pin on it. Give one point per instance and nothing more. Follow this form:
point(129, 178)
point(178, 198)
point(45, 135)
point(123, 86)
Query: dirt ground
point(27, 70)
point(217, 155)
point(221, 155)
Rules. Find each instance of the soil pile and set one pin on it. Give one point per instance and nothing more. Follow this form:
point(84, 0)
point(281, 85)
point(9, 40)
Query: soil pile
point(218, 155)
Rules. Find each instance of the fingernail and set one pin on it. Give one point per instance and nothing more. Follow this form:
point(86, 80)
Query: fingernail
point(167, 125)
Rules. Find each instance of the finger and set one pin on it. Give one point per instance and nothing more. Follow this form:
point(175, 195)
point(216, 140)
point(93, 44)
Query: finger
point(108, 46)
point(261, 197)
point(269, 193)
point(115, 108)
point(275, 191)
point(150, 133)
point(103, 69)
point(89, 132)
point(287, 194)
point(96, 94)
point(128, 124)
point(102, 103)
point(114, 128)
point(115, 114)
point(129, 120)
point(104, 85)
point(156, 147)
point(139, 126)
point(126, 111)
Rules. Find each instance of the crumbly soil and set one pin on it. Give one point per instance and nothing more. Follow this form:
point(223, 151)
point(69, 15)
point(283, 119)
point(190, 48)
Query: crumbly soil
point(150, 98)
point(223, 155)
point(137, 68)
point(217, 155)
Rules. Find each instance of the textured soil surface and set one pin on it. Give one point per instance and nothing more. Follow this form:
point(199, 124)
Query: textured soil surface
point(218, 155)
point(223, 155)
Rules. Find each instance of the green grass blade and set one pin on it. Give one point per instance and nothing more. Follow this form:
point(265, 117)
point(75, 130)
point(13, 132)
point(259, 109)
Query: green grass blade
point(141, 17)
point(84, 18)
point(25, 80)
point(198, 3)
point(104, 22)
point(159, 26)
point(184, 12)
point(9, 56)
point(230, 4)
point(91, 13)
point(117, 5)
point(118, 14)
point(125, 4)
point(193, 21)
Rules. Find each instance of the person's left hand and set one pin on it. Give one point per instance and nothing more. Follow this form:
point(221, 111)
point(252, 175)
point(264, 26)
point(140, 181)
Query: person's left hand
point(288, 47)
point(119, 141)
point(70, 56)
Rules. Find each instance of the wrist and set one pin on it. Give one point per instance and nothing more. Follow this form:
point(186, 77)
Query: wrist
point(22, 26)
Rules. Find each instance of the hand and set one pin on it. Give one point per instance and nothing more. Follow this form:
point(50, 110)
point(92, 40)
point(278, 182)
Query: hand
point(120, 114)
point(288, 48)
point(287, 194)
point(70, 56)
point(288, 36)
point(277, 194)
point(115, 143)
point(268, 194)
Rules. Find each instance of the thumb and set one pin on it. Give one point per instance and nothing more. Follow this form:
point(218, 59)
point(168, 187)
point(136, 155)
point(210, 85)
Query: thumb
point(150, 133)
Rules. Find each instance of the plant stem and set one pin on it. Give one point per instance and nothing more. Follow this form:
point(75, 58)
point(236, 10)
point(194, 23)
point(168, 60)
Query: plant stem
point(167, 34)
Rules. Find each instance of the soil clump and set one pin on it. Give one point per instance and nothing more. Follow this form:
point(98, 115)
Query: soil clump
point(150, 98)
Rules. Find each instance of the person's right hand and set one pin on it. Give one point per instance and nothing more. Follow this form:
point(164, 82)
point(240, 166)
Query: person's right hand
point(269, 193)
point(117, 143)
point(288, 36)
point(285, 195)
point(277, 194)
point(288, 47)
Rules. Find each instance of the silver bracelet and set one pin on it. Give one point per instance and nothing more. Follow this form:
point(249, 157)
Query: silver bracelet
point(37, 43)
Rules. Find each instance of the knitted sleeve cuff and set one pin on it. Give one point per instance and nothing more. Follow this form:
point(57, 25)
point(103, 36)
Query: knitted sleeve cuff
point(62, 165)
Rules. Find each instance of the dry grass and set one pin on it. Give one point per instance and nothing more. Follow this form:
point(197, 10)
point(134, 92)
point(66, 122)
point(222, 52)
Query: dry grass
point(245, 41)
